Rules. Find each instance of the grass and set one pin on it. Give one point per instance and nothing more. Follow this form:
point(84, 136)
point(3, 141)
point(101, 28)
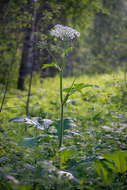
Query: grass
point(94, 152)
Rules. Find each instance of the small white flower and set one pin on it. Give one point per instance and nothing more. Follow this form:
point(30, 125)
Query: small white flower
point(64, 32)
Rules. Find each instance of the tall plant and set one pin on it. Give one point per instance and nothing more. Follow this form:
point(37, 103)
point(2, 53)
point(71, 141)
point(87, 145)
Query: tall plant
point(63, 43)
point(65, 37)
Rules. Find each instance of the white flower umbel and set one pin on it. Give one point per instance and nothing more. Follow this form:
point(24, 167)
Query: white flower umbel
point(64, 32)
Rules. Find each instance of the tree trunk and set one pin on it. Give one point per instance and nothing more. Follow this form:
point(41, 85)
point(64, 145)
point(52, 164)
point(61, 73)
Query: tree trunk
point(31, 57)
point(26, 64)
point(24, 70)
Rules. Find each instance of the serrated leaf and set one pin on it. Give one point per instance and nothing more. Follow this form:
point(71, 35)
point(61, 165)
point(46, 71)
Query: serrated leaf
point(115, 162)
point(119, 159)
point(31, 121)
point(102, 171)
point(38, 122)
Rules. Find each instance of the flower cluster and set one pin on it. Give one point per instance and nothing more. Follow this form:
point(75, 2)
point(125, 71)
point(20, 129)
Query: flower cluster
point(64, 32)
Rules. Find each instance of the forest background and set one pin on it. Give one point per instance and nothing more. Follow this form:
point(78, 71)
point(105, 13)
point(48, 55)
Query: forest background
point(100, 49)
point(90, 150)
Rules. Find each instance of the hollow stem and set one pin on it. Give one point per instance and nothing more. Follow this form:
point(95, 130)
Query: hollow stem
point(61, 98)
point(61, 109)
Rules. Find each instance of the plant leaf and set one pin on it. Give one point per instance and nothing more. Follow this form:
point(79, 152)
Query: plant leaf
point(31, 141)
point(38, 122)
point(102, 171)
point(68, 93)
point(18, 119)
point(67, 124)
point(116, 162)
point(78, 87)
point(119, 159)
point(51, 65)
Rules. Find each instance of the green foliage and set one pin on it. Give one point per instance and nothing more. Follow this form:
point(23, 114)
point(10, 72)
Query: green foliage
point(38, 122)
point(109, 164)
point(106, 39)
point(51, 65)
point(67, 124)
point(94, 152)
point(43, 124)
point(120, 161)
point(16, 20)
point(94, 127)
point(102, 47)
point(78, 87)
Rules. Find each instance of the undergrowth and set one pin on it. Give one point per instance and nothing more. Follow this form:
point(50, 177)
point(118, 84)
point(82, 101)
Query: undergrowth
point(94, 155)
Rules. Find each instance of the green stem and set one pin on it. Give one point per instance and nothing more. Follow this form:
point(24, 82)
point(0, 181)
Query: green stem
point(125, 76)
point(61, 99)
point(61, 109)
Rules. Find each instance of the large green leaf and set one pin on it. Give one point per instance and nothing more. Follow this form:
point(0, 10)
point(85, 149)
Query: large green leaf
point(119, 159)
point(115, 162)
point(67, 124)
point(79, 87)
point(102, 171)
point(75, 88)
point(38, 122)
point(44, 123)
point(18, 119)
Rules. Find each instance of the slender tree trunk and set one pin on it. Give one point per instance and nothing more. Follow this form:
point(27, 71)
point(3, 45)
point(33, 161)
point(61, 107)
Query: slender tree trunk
point(31, 57)
point(23, 70)
point(25, 65)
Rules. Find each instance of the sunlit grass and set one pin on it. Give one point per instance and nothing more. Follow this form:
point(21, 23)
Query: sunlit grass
point(45, 93)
